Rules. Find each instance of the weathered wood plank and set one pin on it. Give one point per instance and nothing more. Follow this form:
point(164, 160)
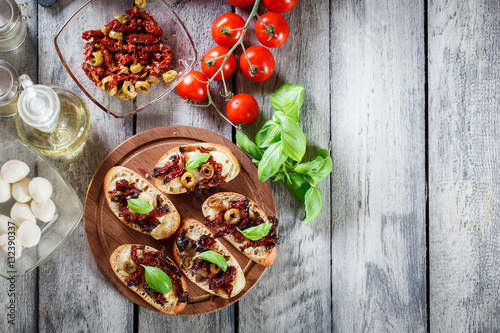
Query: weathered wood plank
point(74, 295)
point(197, 17)
point(464, 187)
point(294, 294)
point(24, 60)
point(378, 133)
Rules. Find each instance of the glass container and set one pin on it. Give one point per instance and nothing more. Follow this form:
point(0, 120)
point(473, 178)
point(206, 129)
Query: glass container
point(13, 30)
point(9, 89)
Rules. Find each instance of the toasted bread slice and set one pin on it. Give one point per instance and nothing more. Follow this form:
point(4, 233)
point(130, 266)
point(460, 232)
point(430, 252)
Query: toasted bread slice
point(218, 203)
point(168, 223)
point(220, 154)
point(193, 230)
point(121, 262)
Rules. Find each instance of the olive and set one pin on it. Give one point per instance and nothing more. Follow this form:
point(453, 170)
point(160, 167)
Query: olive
point(186, 262)
point(232, 216)
point(207, 171)
point(117, 197)
point(214, 269)
point(215, 203)
point(129, 268)
point(188, 179)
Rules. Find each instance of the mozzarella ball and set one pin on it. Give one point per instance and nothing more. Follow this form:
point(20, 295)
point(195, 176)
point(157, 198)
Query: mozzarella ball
point(4, 191)
point(40, 189)
point(20, 190)
point(28, 234)
point(14, 170)
point(5, 223)
point(44, 211)
point(4, 245)
point(21, 212)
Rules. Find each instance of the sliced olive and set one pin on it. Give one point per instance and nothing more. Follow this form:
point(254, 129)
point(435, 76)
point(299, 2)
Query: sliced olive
point(130, 268)
point(105, 30)
point(187, 263)
point(115, 35)
point(188, 179)
point(123, 19)
point(142, 87)
point(169, 76)
point(117, 197)
point(105, 86)
point(214, 269)
point(215, 203)
point(129, 89)
point(232, 216)
point(207, 171)
point(136, 68)
point(121, 96)
point(140, 3)
point(124, 70)
point(97, 60)
point(152, 80)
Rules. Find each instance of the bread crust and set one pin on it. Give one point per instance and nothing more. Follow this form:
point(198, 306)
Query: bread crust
point(263, 257)
point(191, 227)
point(166, 228)
point(236, 167)
point(116, 263)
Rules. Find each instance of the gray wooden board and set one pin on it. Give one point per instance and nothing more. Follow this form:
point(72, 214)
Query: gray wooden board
point(464, 187)
point(378, 186)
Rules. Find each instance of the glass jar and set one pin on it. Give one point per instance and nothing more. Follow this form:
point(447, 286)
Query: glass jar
point(9, 89)
point(12, 27)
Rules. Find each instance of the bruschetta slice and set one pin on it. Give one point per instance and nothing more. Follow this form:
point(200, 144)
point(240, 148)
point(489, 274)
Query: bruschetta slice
point(122, 184)
point(227, 212)
point(173, 174)
point(127, 261)
point(193, 238)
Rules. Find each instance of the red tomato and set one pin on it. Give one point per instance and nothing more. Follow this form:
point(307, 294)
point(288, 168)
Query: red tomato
point(262, 61)
point(222, 24)
point(277, 30)
point(209, 66)
point(241, 3)
point(279, 6)
point(193, 86)
point(242, 108)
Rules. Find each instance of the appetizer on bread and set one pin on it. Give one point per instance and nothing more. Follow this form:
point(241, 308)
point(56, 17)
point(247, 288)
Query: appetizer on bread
point(122, 184)
point(211, 165)
point(127, 261)
point(227, 212)
point(194, 239)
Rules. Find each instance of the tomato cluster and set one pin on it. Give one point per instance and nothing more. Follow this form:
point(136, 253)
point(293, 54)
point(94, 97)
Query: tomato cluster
point(256, 62)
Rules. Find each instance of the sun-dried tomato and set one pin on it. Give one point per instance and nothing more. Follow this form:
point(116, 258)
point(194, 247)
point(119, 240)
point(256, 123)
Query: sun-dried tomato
point(173, 168)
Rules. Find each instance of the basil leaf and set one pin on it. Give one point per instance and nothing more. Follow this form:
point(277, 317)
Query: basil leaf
point(214, 258)
point(279, 176)
point(197, 161)
point(271, 162)
point(293, 102)
point(292, 136)
point(157, 279)
point(139, 205)
point(257, 232)
point(278, 100)
point(298, 186)
point(317, 170)
point(313, 201)
point(247, 145)
point(268, 134)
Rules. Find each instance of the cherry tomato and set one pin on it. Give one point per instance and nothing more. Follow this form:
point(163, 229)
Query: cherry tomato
point(193, 86)
point(209, 66)
point(241, 3)
point(262, 61)
point(279, 6)
point(277, 30)
point(222, 24)
point(242, 108)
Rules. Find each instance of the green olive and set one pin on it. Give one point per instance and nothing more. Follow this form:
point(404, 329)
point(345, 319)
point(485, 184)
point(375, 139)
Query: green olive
point(232, 216)
point(129, 90)
point(169, 76)
point(142, 87)
point(136, 68)
point(188, 179)
point(97, 60)
point(121, 96)
point(207, 171)
point(124, 70)
point(115, 35)
point(105, 86)
point(123, 19)
point(105, 30)
point(152, 80)
point(140, 3)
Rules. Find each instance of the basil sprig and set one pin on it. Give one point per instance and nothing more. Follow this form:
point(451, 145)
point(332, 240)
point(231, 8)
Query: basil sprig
point(257, 232)
point(279, 147)
point(197, 161)
point(157, 279)
point(139, 205)
point(214, 258)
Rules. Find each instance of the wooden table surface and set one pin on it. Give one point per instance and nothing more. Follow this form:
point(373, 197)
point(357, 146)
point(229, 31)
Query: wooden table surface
point(405, 95)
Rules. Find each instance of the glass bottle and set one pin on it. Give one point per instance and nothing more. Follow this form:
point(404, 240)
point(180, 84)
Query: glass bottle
point(9, 89)
point(51, 119)
point(13, 30)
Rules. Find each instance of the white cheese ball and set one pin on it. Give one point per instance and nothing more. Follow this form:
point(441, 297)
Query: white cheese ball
point(44, 211)
point(28, 234)
point(5, 223)
point(21, 212)
point(14, 170)
point(4, 245)
point(20, 190)
point(40, 189)
point(4, 191)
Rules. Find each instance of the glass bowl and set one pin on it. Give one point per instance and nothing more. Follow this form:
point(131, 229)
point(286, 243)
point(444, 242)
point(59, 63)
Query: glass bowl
point(69, 210)
point(96, 13)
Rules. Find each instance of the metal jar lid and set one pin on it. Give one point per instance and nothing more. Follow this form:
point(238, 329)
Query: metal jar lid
point(9, 82)
point(9, 14)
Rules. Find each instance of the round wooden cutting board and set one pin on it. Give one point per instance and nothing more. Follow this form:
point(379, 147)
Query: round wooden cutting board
point(140, 153)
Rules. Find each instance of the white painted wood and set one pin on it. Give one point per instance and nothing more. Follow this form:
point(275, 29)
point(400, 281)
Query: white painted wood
point(378, 147)
point(464, 188)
